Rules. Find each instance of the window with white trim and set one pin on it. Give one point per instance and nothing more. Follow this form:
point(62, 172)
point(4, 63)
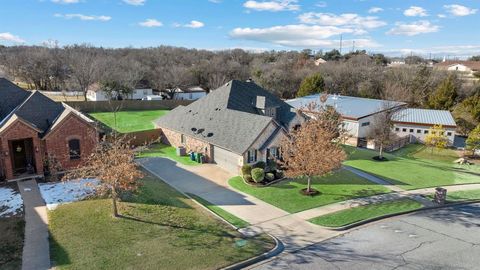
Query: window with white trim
point(252, 156)
point(74, 149)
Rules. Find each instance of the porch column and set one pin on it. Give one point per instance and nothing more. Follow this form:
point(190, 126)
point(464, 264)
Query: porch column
point(7, 159)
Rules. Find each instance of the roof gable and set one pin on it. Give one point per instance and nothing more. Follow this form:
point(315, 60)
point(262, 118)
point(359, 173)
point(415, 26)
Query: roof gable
point(12, 97)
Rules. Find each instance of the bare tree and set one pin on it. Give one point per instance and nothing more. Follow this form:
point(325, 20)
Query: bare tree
point(113, 164)
point(312, 151)
point(381, 130)
point(83, 61)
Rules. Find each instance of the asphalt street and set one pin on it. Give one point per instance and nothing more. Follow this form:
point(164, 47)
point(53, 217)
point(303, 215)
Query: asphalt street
point(446, 238)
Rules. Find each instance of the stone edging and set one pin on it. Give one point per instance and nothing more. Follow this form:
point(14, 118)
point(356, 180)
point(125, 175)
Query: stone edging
point(271, 253)
point(366, 221)
point(266, 185)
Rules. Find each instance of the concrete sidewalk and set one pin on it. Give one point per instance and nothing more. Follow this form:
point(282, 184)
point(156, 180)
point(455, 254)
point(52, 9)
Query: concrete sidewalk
point(210, 182)
point(36, 250)
point(373, 179)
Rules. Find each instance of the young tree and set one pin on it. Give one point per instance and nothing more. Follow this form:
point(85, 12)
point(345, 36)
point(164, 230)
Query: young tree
point(312, 150)
point(381, 131)
point(473, 140)
point(313, 84)
point(436, 138)
point(112, 163)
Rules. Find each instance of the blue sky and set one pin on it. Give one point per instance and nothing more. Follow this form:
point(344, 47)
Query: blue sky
point(439, 27)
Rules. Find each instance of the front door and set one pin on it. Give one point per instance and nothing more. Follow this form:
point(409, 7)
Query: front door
point(22, 156)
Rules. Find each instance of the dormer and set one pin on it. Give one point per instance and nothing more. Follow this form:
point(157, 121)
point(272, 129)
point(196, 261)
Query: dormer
point(261, 105)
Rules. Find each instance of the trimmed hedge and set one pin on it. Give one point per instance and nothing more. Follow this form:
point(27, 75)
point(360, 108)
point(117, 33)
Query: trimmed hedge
point(270, 176)
point(247, 169)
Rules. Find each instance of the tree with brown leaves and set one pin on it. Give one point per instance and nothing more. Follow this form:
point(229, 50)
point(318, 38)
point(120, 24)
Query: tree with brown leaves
point(112, 163)
point(314, 149)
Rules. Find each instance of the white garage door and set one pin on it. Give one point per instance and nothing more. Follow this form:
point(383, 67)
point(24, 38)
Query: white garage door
point(226, 159)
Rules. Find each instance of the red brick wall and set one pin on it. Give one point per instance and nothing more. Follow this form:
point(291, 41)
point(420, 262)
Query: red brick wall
point(18, 131)
point(173, 138)
point(71, 127)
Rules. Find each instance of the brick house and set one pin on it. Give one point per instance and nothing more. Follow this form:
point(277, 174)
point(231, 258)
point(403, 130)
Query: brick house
point(32, 126)
point(236, 124)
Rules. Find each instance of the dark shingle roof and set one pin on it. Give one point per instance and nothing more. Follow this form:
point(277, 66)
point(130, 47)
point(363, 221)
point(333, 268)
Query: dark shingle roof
point(227, 117)
point(11, 97)
point(32, 107)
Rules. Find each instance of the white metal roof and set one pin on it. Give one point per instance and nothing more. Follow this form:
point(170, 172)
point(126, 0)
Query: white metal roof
point(425, 116)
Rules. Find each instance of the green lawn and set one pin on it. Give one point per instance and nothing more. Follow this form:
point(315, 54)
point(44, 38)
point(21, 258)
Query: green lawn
point(237, 222)
point(162, 150)
point(415, 167)
point(160, 229)
point(356, 214)
point(129, 121)
point(464, 195)
point(339, 186)
point(11, 242)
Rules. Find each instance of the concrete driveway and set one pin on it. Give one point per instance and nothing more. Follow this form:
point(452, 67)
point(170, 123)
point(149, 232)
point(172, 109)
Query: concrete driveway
point(210, 182)
point(446, 238)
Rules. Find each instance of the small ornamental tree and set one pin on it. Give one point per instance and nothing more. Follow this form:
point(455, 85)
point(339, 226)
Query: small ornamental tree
point(473, 140)
point(313, 149)
point(436, 138)
point(112, 163)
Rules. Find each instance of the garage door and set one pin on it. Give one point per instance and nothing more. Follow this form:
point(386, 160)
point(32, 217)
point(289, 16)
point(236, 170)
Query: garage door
point(226, 159)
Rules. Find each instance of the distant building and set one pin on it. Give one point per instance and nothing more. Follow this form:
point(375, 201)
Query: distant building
point(358, 113)
point(417, 122)
point(191, 93)
point(467, 68)
point(94, 93)
point(320, 61)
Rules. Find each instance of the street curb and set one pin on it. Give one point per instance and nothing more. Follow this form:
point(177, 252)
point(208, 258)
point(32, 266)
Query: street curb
point(363, 222)
point(267, 255)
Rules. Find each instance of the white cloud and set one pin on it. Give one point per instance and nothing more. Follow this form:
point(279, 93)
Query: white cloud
point(347, 19)
point(10, 38)
point(439, 51)
point(66, 1)
point(413, 29)
point(135, 2)
point(415, 11)
point(375, 10)
point(194, 24)
point(83, 17)
point(458, 10)
point(191, 24)
point(441, 16)
point(273, 5)
point(151, 23)
point(300, 36)
point(215, 1)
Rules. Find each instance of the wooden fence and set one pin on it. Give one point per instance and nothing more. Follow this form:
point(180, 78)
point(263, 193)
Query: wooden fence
point(126, 105)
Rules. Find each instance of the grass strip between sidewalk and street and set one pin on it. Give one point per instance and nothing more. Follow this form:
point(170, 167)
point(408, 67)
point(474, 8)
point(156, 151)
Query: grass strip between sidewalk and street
point(366, 212)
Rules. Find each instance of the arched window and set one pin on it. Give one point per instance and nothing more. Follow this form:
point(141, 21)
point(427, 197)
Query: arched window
point(74, 148)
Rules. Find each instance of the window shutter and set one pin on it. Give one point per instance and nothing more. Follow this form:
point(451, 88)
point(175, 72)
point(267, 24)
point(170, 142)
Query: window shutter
point(255, 155)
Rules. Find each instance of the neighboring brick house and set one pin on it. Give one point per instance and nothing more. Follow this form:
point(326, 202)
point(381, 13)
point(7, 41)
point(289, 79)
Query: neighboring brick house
point(238, 123)
point(32, 126)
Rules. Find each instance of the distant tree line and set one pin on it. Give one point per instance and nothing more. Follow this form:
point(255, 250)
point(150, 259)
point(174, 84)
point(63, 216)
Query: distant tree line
point(286, 73)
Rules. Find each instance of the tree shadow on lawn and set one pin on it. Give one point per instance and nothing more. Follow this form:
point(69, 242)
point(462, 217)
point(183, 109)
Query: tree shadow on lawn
point(58, 255)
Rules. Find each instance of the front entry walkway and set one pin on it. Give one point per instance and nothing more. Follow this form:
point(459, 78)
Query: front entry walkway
point(36, 250)
point(210, 182)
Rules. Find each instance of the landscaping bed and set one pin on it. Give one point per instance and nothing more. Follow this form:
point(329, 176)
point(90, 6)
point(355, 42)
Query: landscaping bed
point(129, 121)
point(366, 212)
point(262, 174)
point(338, 186)
point(159, 228)
point(58, 193)
point(414, 167)
point(166, 151)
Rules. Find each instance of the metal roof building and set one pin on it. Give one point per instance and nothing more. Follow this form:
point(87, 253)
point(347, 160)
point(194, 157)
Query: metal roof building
point(425, 117)
point(349, 107)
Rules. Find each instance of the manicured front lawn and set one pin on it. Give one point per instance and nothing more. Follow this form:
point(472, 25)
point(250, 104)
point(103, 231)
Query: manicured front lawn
point(464, 195)
point(356, 214)
point(129, 121)
point(237, 222)
point(162, 150)
point(414, 167)
point(11, 242)
point(160, 229)
point(339, 186)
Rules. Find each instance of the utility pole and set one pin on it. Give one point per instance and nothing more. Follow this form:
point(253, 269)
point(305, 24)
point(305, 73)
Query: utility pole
point(341, 43)
point(353, 46)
